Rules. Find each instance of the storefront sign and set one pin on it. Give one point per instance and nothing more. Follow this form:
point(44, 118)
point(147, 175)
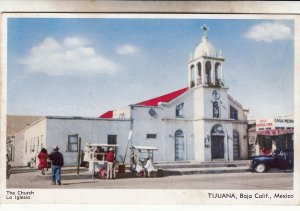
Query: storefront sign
point(276, 123)
point(284, 120)
point(264, 123)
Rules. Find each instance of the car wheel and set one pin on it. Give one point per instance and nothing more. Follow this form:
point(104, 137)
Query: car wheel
point(260, 168)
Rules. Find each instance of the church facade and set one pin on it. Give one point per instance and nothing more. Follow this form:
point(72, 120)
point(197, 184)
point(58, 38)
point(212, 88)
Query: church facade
point(199, 122)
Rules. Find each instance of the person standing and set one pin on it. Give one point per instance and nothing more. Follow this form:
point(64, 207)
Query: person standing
point(110, 158)
point(43, 156)
point(57, 162)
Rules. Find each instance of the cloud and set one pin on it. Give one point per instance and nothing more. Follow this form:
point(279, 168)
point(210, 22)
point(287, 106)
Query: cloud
point(127, 49)
point(269, 32)
point(72, 56)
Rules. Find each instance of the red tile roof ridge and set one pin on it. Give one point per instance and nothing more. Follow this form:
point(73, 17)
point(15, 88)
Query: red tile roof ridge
point(163, 98)
point(152, 102)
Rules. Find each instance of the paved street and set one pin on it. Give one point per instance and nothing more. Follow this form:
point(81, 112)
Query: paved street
point(245, 181)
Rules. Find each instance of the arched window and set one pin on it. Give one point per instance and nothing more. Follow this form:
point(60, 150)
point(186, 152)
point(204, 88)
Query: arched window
point(192, 76)
point(218, 73)
point(236, 145)
point(208, 72)
point(179, 145)
point(199, 68)
point(217, 130)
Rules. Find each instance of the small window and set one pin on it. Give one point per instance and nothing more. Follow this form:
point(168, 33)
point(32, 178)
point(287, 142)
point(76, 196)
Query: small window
point(112, 139)
point(151, 135)
point(179, 110)
point(73, 143)
point(233, 113)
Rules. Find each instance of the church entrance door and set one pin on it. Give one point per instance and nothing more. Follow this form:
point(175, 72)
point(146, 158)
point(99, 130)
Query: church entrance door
point(217, 142)
point(217, 147)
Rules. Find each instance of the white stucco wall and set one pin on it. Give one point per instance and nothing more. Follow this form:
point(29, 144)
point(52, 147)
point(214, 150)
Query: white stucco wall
point(90, 131)
point(164, 124)
point(188, 108)
point(19, 149)
point(199, 136)
point(122, 113)
point(29, 142)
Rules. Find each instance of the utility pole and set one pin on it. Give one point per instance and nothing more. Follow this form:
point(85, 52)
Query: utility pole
point(79, 154)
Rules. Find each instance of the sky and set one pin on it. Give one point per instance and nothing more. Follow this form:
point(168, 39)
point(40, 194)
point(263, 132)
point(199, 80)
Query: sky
point(85, 67)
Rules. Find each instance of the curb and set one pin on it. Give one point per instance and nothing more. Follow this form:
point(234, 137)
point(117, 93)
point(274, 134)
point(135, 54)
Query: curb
point(210, 171)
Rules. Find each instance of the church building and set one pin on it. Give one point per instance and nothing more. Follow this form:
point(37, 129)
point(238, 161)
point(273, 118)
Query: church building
point(199, 122)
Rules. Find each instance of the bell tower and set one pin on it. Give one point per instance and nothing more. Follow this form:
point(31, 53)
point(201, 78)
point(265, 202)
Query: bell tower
point(205, 67)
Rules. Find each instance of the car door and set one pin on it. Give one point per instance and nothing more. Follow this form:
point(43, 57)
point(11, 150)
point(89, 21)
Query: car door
point(282, 161)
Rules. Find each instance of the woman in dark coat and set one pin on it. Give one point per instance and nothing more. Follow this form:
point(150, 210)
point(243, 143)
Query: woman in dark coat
point(43, 155)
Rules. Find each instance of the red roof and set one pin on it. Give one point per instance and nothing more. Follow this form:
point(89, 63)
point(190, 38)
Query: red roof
point(163, 98)
point(107, 115)
point(152, 102)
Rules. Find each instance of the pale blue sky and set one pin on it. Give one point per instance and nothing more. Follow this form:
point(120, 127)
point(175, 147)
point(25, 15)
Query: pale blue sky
point(84, 67)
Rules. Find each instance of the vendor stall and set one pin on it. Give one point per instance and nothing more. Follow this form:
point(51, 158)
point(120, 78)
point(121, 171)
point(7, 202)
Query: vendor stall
point(139, 153)
point(97, 154)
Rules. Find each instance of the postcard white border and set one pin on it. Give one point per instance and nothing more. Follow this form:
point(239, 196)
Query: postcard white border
point(149, 196)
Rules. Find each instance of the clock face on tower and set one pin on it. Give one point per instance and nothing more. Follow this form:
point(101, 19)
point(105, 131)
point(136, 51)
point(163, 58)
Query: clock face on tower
point(216, 95)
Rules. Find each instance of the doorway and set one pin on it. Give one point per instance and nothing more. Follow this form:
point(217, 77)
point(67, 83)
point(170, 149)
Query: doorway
point(217, 142)
point(179, 146)
point(236, 145)
point(217, 147)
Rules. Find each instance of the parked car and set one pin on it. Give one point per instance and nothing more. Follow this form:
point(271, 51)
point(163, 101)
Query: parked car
point(281, 159)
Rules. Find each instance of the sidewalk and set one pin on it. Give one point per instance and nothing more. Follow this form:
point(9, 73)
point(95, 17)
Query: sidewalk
point(165, 169)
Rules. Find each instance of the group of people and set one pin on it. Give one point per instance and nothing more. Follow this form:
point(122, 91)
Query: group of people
point(105, 171)
point(57, 160)
point(142, 170)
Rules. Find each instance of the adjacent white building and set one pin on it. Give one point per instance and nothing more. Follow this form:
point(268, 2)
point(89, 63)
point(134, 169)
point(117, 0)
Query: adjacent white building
point(200, 122)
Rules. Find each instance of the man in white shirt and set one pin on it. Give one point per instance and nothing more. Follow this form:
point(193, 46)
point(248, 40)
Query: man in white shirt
point(149, 166)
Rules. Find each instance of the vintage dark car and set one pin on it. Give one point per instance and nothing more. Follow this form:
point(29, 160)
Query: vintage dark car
point(280, 159)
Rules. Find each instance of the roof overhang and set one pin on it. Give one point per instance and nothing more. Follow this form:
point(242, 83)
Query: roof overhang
point(275, 132)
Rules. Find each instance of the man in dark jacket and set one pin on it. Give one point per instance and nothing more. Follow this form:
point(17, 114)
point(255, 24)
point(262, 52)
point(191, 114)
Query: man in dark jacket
point(57, 162)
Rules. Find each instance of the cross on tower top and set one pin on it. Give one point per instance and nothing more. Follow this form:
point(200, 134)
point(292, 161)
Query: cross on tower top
point(204, 29)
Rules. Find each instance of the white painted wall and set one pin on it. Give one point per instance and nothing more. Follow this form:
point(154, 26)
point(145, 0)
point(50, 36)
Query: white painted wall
point(34, 135)
point(122, 113)
point(90, 131)
point(199, 135)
